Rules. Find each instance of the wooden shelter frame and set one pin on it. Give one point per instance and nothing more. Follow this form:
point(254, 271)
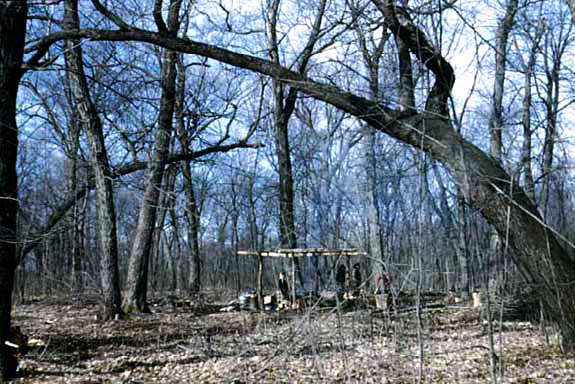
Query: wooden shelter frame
point(292, 254)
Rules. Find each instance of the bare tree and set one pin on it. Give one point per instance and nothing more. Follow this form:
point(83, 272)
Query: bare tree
point(106, 211)
point(528, 74)
point(372, 52)
point(192, 209)
point(284, 106)
point(555, 46)
point(501, 42)
point(137, 280)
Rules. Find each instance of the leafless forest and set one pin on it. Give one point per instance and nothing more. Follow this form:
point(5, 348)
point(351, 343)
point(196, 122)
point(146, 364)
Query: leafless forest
point(161, 159)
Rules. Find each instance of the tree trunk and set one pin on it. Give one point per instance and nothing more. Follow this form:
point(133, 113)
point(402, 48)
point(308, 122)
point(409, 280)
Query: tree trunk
point(526, 118)
point(284, 106)
point(496, 119)
point(176, 285)
point(160, 239)
point(137, 279)
point(194, 281)
point(106, 212)
point(12, 35)
point(192, 210)
point(74, 256)
point(282, 114)
point(526, 151)
point(554, 52)
point(372, 62)
point(461, 245)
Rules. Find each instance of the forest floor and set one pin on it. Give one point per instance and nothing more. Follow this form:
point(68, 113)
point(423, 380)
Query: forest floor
point(200, 344)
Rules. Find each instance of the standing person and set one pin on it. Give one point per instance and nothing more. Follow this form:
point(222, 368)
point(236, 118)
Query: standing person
point(283, 286)
point(356, 279)
point(383, 288)
point(340, 280)
point(383, 282)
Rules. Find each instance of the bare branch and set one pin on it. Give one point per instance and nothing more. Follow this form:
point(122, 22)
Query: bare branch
point(400, 24)
point(135, 166)
point(158, 17)
point(111, 16)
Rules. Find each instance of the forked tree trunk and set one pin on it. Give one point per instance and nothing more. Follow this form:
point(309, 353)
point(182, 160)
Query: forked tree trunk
point(284, 106)
point(137, 280)
point(12, 35)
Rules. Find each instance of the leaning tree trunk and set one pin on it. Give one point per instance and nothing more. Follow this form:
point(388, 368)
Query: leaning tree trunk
point(137, 280)
point(12, 35)
point(105, 208)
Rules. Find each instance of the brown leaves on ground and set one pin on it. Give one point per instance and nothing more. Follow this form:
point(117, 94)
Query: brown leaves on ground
point(187, 345)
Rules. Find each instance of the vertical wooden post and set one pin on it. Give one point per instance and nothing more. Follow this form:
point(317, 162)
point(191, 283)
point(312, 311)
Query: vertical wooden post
point(293, 277)
point(260, 273)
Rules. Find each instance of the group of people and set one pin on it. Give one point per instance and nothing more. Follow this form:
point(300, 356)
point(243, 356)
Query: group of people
point(340, 279)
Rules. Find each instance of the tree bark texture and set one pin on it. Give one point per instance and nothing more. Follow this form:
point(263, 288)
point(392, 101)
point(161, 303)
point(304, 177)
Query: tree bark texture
point(501, 38)
point(12, 35)
point(105, 208)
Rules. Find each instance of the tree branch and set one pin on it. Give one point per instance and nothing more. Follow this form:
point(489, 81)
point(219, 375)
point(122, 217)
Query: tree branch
point(61, 211)
point(158, 17)
point(400, 24)
point(111, 16)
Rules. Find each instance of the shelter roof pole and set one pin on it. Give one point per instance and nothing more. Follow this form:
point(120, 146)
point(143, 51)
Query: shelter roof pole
point(260, 274)
point(293, 278)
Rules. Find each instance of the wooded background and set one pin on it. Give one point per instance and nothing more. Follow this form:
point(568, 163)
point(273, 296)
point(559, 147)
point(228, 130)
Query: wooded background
point(342, 184)
point(149, 155)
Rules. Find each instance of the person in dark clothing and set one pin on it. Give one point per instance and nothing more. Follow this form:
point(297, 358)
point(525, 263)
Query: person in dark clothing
point(340, 280)
point(356, 279)
point(283, 286)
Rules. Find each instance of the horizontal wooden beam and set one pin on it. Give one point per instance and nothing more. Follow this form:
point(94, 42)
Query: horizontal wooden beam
point(303, 252)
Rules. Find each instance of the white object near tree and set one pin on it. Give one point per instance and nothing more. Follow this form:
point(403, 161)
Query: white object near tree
point(476, 299)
